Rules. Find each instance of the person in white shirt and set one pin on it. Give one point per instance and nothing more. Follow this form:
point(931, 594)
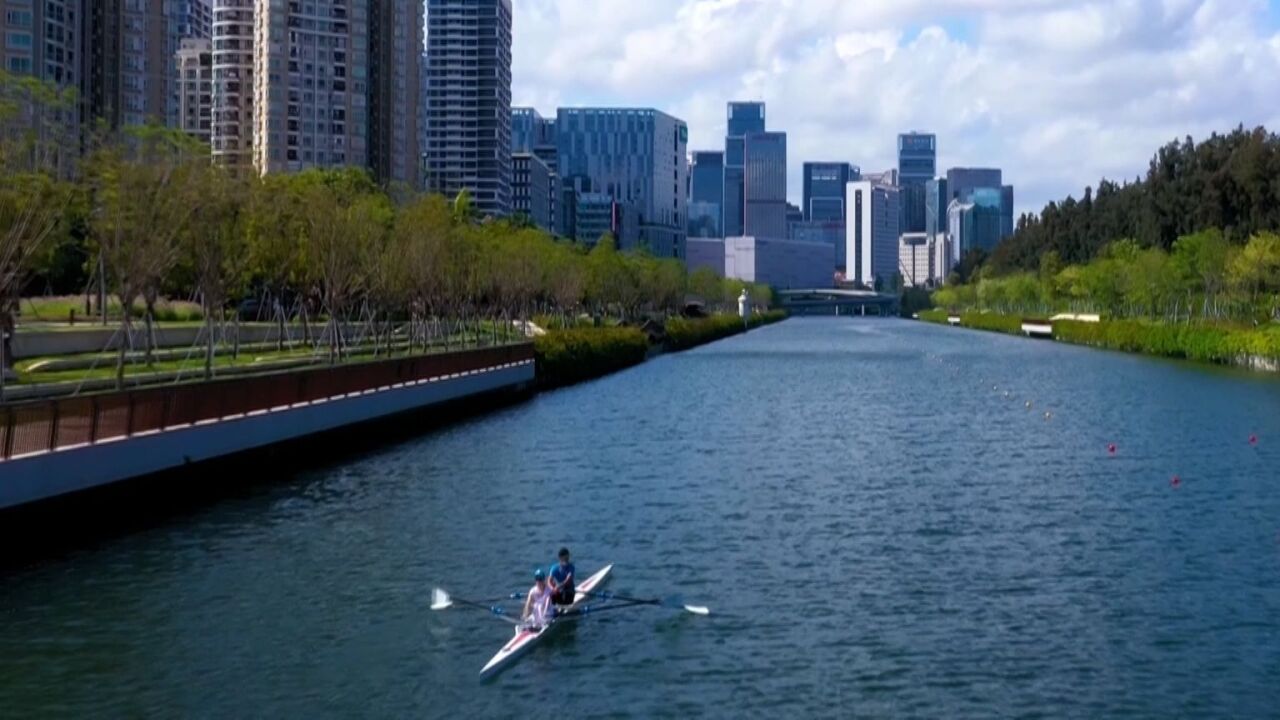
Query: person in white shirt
point(537, 603)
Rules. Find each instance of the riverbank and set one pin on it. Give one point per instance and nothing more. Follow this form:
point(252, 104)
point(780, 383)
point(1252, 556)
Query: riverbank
point(570, 356)
point(1252, 348)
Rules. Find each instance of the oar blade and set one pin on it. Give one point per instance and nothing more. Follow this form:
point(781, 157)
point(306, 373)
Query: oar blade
point(697, 609)
point(440, 600)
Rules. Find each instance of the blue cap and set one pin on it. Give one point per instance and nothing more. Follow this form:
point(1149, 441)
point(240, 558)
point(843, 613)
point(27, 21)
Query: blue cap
point(539, 574)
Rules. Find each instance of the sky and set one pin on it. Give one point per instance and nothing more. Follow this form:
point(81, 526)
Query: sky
point(1057, 93)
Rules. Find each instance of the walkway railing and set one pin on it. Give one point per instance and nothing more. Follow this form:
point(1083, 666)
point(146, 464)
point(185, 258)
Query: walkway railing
point(49, 425)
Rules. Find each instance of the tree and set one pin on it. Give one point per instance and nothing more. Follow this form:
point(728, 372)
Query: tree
point(217, 246)
point(145, 196)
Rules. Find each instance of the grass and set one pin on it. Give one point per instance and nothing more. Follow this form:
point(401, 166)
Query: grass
point(58, 309)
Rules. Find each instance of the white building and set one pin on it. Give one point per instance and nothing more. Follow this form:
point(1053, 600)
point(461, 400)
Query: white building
point(915, 260)
point(783, 264)
point(871, 237)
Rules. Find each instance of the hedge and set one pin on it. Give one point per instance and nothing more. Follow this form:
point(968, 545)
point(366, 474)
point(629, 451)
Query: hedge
point(686, 333)
point(1204, 343)
point(565, 357)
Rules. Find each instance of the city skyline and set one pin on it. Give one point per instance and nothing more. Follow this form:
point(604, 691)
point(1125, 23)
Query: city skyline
point(1126, 78)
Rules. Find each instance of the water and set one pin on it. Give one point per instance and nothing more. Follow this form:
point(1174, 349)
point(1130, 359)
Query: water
point(877, 530)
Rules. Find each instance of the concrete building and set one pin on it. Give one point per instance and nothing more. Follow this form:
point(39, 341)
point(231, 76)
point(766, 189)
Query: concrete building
point(233, 87)
point(941, 261)
point(706, 194)
point(914, 260)
point(764, 185)
point(824, 189)
point(744, 118)
point(311, 93)
point(599, 214)
point(469, 101)
point(194, 66)
point(872, 233)
point(395, 83)
point(917, 165)
point(705, 253)
point(639, 158)
point(532, 190)
point(782, 264)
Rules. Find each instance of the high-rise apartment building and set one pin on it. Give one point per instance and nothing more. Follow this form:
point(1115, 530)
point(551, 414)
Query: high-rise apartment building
point(45, 39)
point(310, 84)
point(394, 75)
point(469, 101)
point(233, 86)
point(532, 133)
point(194, 87)
point(639, 158)
point(873, 231)
point(917, 165)
point(764, 185)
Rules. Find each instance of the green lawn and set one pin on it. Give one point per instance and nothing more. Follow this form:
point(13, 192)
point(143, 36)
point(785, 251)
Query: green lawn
point(58, 309)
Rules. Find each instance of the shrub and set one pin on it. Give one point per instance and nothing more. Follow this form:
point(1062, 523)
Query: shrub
point(991, 322)
point(565, 357)
point(686, 333)
point(934, 316)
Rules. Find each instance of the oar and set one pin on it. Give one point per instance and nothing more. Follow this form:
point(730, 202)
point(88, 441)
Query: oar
point(441, 600)
point(675, 603)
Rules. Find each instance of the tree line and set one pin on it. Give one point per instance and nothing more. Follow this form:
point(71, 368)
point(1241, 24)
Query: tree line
point(1204, 277)
point(145, 214)
point(1228, 182)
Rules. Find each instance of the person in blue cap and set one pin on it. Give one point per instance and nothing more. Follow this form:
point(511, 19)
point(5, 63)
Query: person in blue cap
point(537, 603)
point(562, 579)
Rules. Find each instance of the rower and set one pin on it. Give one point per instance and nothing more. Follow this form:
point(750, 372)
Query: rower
point(562, 580)
point(537, 604)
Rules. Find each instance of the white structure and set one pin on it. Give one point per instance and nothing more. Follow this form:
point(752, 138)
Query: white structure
point(914, 260)
point(783, 264)
point(871, 236)
point(940, 264)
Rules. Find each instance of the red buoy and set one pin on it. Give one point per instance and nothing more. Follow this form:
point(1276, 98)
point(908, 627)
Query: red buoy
point(1176, 482)
point(1253, 440)
point(1111, 448)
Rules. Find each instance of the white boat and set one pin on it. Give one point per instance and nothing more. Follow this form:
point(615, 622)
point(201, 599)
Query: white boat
point(526, 637)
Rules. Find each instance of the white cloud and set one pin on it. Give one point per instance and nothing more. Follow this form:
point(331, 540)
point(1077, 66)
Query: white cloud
point(1056, 92)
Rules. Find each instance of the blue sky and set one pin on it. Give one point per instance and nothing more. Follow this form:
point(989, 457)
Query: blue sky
point(1058, 93)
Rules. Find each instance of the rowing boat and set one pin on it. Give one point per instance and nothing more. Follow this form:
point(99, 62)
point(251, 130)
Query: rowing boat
point(527, 637)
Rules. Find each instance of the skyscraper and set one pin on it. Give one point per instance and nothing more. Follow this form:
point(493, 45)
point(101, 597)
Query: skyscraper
point(311, 89)
point(469, 101)
point(395, 43)
point(764, 185)
point(961, 182)
point(233, 87)
point(1006, 208)
point(824, 189)
point(936, 201)
point(917, 165)
point(532, 133)
point(744, 118)
point(531, 190)
point(706, 193)
point(873, 233)
point(638, 157)
point(195, 88)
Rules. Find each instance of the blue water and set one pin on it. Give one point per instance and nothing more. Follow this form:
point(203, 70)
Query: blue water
point(877, 528)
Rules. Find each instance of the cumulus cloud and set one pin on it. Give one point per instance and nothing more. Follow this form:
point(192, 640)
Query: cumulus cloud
point(1057, 92)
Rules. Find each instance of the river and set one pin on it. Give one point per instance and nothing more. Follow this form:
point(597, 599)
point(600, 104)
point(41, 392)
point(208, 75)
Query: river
point(877, 527)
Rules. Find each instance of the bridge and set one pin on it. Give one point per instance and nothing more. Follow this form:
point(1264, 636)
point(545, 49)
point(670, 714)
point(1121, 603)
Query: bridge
point(829, 301)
